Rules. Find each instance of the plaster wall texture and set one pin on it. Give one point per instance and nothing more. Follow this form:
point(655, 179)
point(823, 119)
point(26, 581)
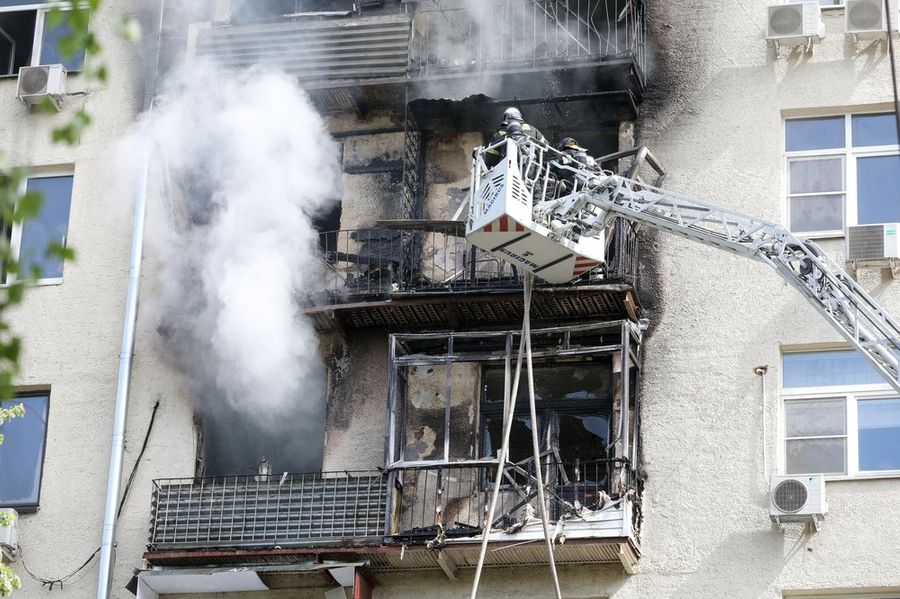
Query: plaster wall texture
point(72, 333)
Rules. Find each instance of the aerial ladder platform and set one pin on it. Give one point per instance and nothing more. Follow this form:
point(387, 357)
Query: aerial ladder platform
point(548, 214)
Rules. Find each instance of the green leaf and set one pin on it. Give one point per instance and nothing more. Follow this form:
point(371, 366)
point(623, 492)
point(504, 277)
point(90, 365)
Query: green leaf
point(55, 17)
point(15, 291)
point(57, 250)
point(29, 206)
point(70, 133)
point(128, 28)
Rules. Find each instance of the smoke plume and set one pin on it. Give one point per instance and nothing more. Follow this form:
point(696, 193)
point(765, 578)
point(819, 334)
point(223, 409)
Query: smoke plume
point(244, 162)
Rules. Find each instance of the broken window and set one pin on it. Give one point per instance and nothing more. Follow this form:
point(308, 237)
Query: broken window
point(573, 404)
point(447, 392)
point(27, 38)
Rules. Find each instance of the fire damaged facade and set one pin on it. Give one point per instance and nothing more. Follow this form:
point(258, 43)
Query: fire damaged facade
point(418, 327)
point(445, 395)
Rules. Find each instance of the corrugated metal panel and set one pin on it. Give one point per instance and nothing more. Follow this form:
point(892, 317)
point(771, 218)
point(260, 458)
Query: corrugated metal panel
point(345, 49)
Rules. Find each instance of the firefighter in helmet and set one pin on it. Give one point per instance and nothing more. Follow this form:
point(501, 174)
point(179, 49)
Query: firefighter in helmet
point(513, 127)
point(570, 148)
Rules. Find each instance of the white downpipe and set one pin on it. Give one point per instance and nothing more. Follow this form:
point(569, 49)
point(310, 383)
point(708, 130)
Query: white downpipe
point(117, 451)
point(761, 371)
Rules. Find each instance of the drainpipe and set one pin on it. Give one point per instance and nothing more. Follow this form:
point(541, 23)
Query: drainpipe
point(117, 452)
point(761, 372)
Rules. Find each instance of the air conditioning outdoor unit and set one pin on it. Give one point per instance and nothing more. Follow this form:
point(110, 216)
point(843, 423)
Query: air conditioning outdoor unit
point(9, 540)
point(866, 19)
point(798, 498)
point(39, 83)
point(873, 244)
point(791, 24)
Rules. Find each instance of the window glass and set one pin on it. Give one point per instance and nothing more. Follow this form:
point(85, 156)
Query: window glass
point(22, 453)
point(814, 134)
point(878, 189)
point(879, 434)
point(4, 3)
point(16, 40)
point(807, 456)
point(822, 2)
point(814, 418)
point(874, 130)
point(820, 369)
point(817, 175)
point(50, 53)
point(817, 213)
point(50, 226)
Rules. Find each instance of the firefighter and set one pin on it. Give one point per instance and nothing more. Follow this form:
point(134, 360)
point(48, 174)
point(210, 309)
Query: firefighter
point(513, 127)
point(572, 150)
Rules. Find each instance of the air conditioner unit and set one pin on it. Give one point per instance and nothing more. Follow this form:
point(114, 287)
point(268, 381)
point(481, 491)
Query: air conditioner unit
point(873, 244)
point(798, 498)
point(9, 540)
point(866, 19)
point(791, 24)
point(39, 83)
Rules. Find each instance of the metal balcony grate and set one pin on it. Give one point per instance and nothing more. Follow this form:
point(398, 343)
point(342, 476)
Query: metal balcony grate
point(252, 511)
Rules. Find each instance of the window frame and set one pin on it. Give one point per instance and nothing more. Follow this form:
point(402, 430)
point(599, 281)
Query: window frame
point(15, 231)
point(41, 9)
point(34, 507)
point(851, 396)
point(848, 154)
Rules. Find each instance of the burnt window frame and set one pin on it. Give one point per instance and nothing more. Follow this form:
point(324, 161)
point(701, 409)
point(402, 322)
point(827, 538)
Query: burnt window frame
point(499, 347)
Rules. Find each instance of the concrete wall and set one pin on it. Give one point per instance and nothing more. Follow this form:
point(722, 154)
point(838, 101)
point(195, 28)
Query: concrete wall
point(72, 333)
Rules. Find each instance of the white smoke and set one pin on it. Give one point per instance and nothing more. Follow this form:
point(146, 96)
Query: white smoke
point(246, 163)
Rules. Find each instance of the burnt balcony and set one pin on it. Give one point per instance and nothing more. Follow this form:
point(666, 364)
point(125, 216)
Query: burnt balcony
point(407, 519)
point(431, 276)
point(525, 48)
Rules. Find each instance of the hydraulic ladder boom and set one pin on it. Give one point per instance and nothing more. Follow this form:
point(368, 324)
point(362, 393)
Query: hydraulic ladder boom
point(591, 198)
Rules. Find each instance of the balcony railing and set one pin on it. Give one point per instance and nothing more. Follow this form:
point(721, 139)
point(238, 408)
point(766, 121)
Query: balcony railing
point(290, 510)
point(452, 500)
point(526, 33)
point(382, 262)
point(413, 506)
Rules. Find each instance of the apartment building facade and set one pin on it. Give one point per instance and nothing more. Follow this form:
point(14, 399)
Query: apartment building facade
point(671, 381)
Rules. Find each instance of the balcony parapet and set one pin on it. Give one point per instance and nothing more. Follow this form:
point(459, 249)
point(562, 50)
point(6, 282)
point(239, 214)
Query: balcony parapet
point(380, 516)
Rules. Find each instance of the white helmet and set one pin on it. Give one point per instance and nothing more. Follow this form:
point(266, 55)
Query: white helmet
point(512, 114)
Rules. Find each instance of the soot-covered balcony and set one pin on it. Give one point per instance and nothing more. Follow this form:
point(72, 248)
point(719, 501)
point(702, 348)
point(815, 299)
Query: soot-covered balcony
point(426, 508)
point(427, 274)
point(382, 54)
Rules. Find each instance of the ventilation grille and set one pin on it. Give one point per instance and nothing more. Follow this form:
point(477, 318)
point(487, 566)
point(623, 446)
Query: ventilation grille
point(786, 21)
point(790, 496)
point(34, 81)
point(865, 15)
point(865, 242)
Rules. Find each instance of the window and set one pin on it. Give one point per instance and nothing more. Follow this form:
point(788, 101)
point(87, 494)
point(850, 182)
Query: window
point(842, 171)
point(839, 416)
point(22, 453)
point(574, 407)
point(26, 37)
point(32, 239)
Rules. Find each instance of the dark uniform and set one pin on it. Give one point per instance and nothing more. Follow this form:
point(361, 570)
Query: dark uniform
point(515, 129)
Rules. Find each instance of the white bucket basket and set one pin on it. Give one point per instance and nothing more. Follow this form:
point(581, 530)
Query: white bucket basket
point(500, 222)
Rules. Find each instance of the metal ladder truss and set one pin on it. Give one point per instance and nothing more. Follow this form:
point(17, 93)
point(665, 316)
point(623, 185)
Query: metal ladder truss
point(599, 196)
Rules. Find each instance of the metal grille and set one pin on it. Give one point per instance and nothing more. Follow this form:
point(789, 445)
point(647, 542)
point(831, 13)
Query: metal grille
point(790, 496)
point(383, 262)
point(315, 51)
point(526, 33)
point(241, 511)
point(865, 242)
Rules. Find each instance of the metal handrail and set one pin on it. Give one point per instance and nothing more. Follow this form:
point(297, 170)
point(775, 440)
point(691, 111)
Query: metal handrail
point(526, 33)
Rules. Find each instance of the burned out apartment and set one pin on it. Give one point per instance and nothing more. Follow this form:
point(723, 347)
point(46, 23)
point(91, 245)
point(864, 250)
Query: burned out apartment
point(675, 386)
